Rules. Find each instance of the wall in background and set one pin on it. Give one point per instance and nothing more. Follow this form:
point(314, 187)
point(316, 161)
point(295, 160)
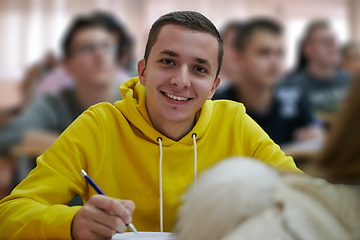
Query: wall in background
point(29, 28)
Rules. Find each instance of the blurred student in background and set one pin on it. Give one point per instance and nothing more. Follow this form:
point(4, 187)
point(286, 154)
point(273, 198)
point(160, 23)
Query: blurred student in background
point(90, 50)
point(282, 206)
point(61, 79)
point(350, 58)
point(284, 115)
point(318, 72)
point(229, 69)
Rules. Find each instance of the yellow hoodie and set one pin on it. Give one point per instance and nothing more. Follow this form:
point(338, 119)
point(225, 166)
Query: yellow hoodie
point(117, 146)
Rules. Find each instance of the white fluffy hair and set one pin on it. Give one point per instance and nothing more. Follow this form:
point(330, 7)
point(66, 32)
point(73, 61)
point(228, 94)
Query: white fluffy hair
point(225, 195)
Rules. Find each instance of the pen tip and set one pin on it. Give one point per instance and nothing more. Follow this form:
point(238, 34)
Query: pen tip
point(83, 173)
point(132, 228)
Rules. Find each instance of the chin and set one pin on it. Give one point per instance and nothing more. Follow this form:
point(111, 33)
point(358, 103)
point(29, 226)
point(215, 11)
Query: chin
point(175, 118)
point(175, 115)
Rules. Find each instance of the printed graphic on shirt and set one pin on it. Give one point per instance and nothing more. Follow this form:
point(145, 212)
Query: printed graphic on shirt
point(288, 98)
point(327, 99)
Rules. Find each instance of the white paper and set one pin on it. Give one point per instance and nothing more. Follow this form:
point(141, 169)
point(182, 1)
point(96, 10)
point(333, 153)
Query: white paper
point(143, 236)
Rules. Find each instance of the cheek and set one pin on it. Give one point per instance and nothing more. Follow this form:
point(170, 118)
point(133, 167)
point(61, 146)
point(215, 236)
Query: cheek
point(259, 65)
point(84, 63)
point(78, 67)
point(203, 88)
point(279, 66)
point(110, 59)
point(323, 50)
point(159, 76)
point(152, 79)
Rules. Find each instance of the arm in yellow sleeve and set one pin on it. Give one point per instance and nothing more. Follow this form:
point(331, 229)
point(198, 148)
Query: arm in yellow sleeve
point(258, 145)
point(37, 207)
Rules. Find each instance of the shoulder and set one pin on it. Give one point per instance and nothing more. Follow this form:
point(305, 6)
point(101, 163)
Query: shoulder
point(106, 114)
point(47, 104)
point(58, 104)
point(228, 114)
point(99, 118)
point(57, 100)
point(104, 110)
point(228, 107)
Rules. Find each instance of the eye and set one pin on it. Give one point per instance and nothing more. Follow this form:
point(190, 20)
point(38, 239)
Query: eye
point(86, 48)
point(200, 69)
point(167, 62)
point(264, 52)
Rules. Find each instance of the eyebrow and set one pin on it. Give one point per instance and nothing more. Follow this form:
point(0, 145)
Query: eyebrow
point(203, 61)
point(170, 53)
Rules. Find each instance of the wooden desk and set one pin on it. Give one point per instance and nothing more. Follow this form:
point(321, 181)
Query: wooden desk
point(303, 152)
point(34, 144)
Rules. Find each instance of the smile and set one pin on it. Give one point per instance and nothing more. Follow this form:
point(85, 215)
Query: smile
point(177, 98)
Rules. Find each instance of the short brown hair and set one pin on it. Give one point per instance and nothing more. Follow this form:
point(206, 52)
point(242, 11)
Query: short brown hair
point(314, 26)
point(192, 20)
point(245, 32)
point(84, 22)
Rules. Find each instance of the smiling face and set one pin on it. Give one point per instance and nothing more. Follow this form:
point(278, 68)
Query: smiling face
point(179, 75)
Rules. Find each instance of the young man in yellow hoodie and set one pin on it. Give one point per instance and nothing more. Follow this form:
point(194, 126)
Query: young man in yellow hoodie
point(148, 147)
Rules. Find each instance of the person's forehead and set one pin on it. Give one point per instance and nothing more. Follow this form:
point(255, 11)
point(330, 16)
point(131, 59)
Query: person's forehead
point(324, 32)
point(260, 37)
point(186, 42)
point(91, 34)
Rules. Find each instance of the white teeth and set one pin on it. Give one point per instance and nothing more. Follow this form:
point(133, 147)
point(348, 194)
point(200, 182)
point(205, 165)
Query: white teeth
point(176, 98)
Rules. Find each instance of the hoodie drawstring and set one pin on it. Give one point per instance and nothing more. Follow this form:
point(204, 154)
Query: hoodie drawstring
point(195, 157)
point(161, 203)
point(159, 139)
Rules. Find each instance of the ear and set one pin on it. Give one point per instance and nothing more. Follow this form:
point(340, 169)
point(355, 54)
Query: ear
point(214, 87)
point(141, 71)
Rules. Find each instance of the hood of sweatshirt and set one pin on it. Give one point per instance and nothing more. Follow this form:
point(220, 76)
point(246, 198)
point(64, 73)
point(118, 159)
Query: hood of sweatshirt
point(133, 107)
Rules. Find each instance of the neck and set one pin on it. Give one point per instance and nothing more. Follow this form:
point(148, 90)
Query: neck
point(173, 130)
point(255, 97)
point(322, 71)
point(89, 95)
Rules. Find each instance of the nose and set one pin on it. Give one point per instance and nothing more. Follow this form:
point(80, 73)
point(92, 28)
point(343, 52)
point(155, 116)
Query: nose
point(182, 78)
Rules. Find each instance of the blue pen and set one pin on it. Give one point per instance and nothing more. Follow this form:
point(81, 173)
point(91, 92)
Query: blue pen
point(99, 191)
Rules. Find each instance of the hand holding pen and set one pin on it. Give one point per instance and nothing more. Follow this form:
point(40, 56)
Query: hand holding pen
point(101, 217)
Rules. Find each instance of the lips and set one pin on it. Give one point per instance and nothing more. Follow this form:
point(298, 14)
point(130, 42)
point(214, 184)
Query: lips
point(177, 98)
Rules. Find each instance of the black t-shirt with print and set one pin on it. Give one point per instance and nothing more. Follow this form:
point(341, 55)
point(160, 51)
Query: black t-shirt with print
point(324, 94)
point(288, 111)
